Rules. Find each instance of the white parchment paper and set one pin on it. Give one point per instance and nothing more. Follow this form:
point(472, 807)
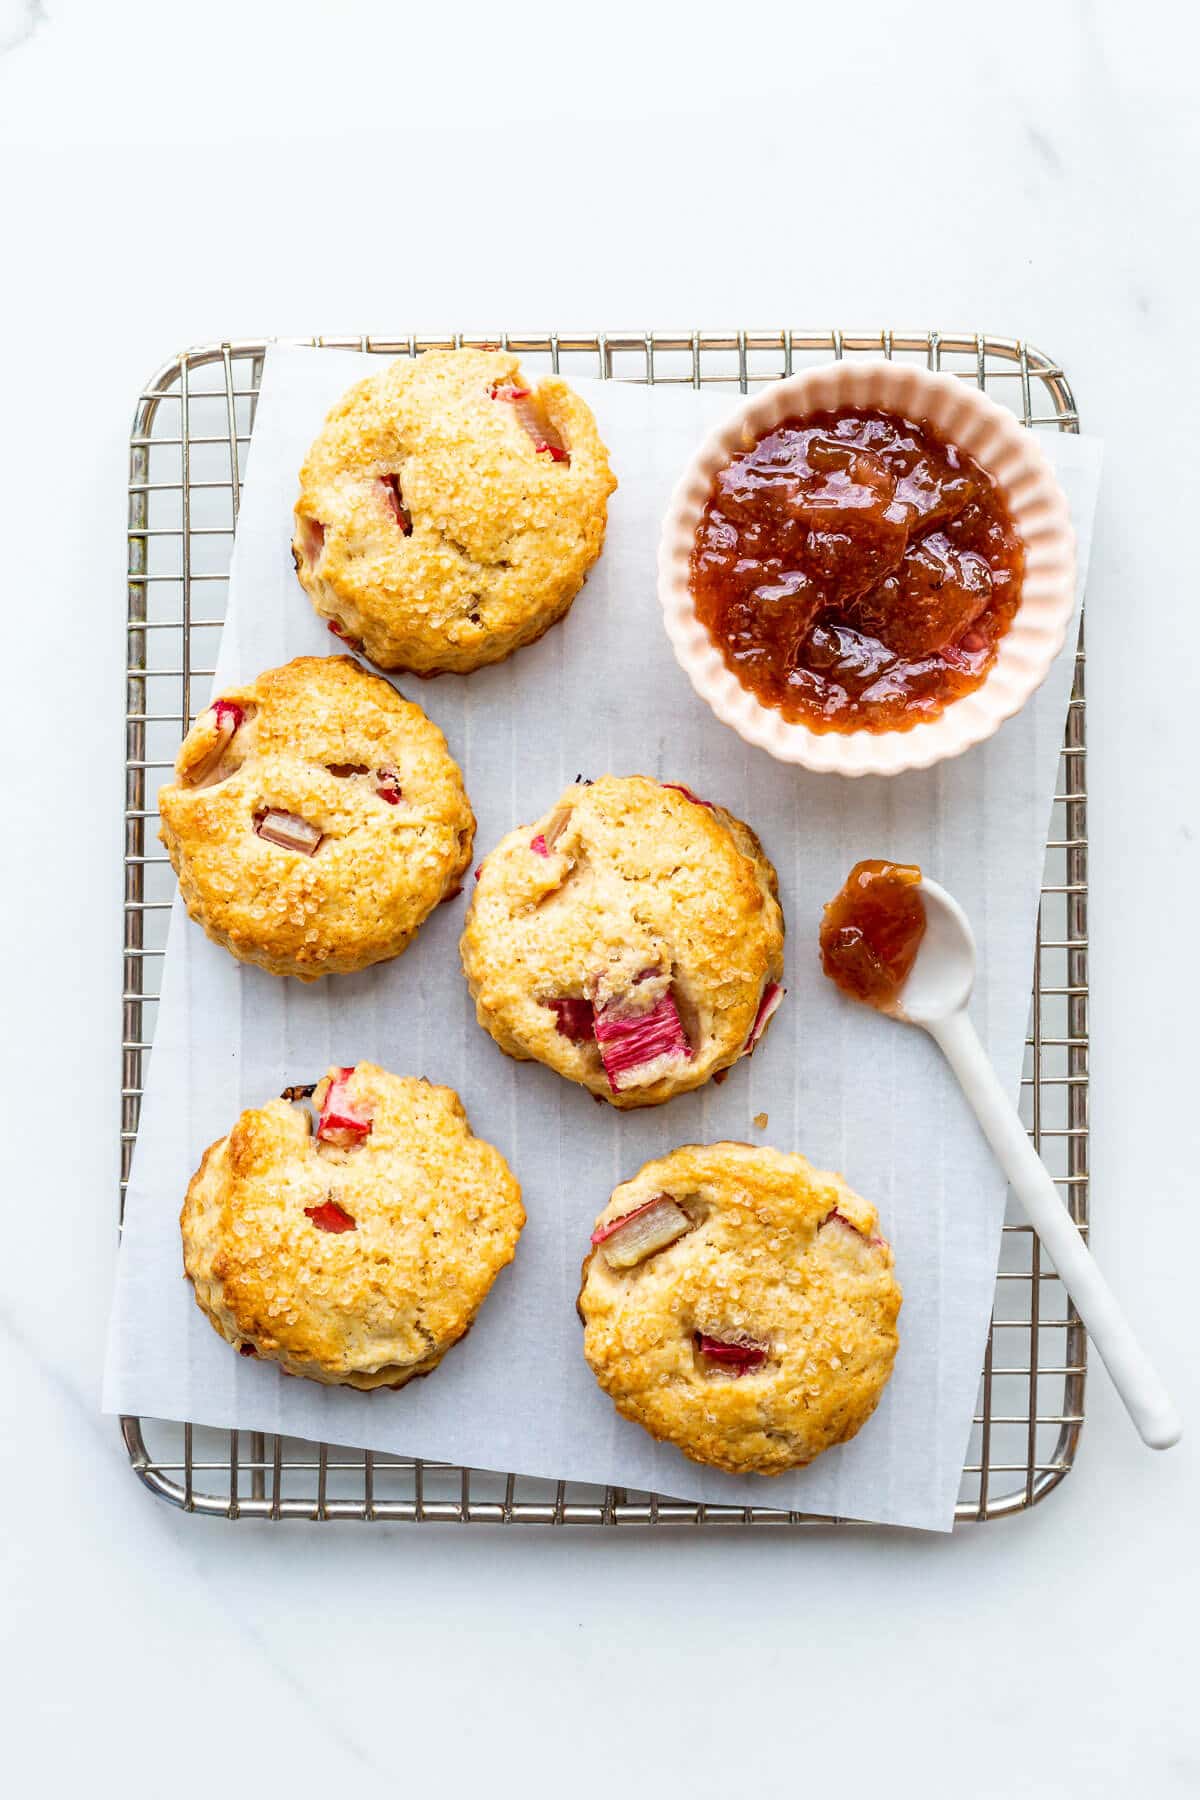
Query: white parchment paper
point(855, 1092)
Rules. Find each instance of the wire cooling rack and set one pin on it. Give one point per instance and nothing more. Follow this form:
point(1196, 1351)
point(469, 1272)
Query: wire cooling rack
point(190, 432)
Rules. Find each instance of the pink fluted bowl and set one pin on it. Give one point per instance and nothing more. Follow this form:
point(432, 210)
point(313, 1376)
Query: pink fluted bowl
point(1036, 503)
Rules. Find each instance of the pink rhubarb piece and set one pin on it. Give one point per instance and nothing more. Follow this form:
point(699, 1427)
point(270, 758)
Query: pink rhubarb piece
point(768, 1006)
point(288, 830)
point(636, 1235)
point(736, 1356)
point(341, 1124)
point(629, 1040)
point(574, 1018)
point(329, 1216)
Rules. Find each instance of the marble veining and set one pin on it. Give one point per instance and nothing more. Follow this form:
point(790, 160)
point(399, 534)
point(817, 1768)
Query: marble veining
point(19, 19)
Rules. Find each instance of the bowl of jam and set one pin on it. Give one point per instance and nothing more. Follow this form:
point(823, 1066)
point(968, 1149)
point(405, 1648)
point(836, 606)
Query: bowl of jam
point(867, 568)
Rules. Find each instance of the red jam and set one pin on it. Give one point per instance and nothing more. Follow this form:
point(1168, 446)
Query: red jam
point(872, 930)
point(855, 571)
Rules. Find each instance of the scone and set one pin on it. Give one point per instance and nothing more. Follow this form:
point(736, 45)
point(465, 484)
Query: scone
point(449, 510)
point(740, 1304)
point(631, 939)
point(357, 1253)
point(316, 818)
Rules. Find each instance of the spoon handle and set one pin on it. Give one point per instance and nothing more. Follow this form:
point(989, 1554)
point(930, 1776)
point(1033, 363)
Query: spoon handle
point(1137, 1382)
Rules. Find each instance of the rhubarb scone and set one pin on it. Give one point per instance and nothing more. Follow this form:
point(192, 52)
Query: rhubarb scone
point(356, 1252)
point(450, 510)
point(316, 819)
point(631, 939)
point(741, 1305)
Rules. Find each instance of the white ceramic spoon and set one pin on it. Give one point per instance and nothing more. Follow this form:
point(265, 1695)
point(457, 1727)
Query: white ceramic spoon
point(935, 997)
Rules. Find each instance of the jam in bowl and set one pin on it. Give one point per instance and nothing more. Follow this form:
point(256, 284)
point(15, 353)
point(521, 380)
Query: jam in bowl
point(867, 567)
point(855, 570)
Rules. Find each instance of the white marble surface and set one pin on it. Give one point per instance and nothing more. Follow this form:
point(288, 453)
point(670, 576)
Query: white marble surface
point(170, 174)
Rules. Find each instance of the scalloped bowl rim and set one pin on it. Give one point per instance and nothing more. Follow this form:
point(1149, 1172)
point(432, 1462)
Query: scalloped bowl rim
point(974, 423)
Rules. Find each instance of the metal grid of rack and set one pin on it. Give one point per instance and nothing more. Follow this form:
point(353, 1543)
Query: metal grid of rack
point(190, 433)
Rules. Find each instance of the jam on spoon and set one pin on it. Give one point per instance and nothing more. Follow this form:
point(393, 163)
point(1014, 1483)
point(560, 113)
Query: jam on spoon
point(872, 930)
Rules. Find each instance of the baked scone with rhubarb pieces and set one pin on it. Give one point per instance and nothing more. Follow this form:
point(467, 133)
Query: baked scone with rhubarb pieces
point(741, 1305)
point(357, 1252)
point(316, 819)
point(631, 939)
point(450, 510)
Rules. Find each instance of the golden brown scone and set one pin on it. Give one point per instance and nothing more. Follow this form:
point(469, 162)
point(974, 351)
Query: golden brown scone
point(316, 819)
point(631, 939)
point(746, 1308)
point(449, 510)
point(358, 1253)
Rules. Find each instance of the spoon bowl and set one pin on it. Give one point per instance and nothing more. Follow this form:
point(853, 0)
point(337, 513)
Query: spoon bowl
point(940, 980)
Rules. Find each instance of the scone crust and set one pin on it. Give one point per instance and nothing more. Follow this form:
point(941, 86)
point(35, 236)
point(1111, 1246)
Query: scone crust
point(501, 537)
point(781, 1254)
point(380, 869)
point(639, 873)
point(437, 1215)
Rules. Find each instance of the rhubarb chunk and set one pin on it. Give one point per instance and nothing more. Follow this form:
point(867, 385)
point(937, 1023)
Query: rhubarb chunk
point(969, 655)
point(341, 1123)
point(329, 1216)
point(288, 830)
point(394, 500)
point(839, 1218)
point(386, 781)
point(226, 717)
point(936, 594)
point(574, 1018)
point(339, 631)
point(638, 1047)
point(678, 788)
point(533, 421)
point(768, 1006)
point(229, 715)
point(544, 842)
point(636, 1235)
point(736, 1355)
point(312, 539)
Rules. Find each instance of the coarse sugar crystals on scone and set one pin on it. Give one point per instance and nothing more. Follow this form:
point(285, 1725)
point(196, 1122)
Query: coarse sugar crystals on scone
point(358, 1250)
point(631, 939)
point(741, 1305)
point(316, 819)
point(450, 510)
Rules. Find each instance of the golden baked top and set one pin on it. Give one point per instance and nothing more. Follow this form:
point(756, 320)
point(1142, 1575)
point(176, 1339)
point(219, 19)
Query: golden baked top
point(316, 819)
point(631, 939)
point(747, 1313)
point(358, 1253)
point(449, 510)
